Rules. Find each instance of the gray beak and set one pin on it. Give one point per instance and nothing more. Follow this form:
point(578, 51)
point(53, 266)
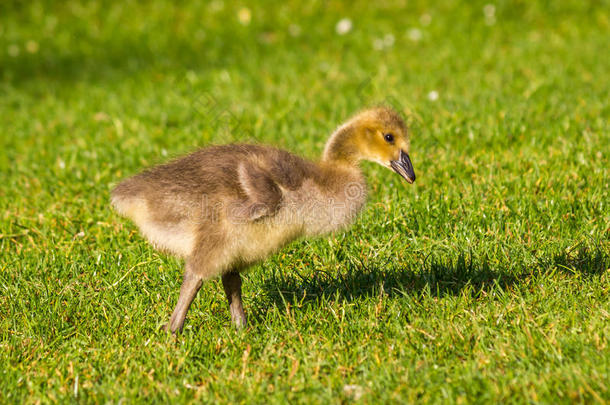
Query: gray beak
point(404, 167)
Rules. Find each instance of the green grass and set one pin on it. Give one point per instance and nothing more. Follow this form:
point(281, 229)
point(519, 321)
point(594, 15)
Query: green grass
point(487, 280)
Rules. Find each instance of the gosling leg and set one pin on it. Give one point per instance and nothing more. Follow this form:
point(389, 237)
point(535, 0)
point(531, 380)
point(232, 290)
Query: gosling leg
point(190, 286)
point(232, 284)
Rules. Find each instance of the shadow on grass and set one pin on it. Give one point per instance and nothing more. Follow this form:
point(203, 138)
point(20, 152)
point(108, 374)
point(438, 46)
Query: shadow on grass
point(433, 277)
point(110, 61)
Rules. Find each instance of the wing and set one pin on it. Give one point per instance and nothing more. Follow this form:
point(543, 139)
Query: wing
point(263, 194)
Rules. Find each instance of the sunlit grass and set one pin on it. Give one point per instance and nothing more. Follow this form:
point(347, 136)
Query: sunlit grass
point(487, 280)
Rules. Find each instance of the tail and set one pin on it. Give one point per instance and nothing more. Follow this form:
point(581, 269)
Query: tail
point(124, 197)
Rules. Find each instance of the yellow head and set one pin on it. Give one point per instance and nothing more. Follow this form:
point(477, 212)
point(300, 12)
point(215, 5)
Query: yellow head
point(379, 135)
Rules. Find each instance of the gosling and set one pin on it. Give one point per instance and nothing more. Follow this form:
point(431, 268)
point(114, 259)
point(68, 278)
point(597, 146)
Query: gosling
point(225, 208)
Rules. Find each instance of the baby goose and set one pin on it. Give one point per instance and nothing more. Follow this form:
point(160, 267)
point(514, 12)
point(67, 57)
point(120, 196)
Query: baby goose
point(224, 208)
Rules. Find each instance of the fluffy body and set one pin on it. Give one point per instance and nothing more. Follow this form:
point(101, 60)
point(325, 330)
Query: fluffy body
point(230, 206)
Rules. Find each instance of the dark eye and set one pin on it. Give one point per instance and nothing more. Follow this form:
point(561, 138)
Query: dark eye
point(389, 138)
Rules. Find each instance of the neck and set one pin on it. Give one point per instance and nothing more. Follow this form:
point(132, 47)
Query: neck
point(340, 147)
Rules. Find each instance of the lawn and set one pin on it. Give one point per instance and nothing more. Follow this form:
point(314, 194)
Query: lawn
point(488, 280)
